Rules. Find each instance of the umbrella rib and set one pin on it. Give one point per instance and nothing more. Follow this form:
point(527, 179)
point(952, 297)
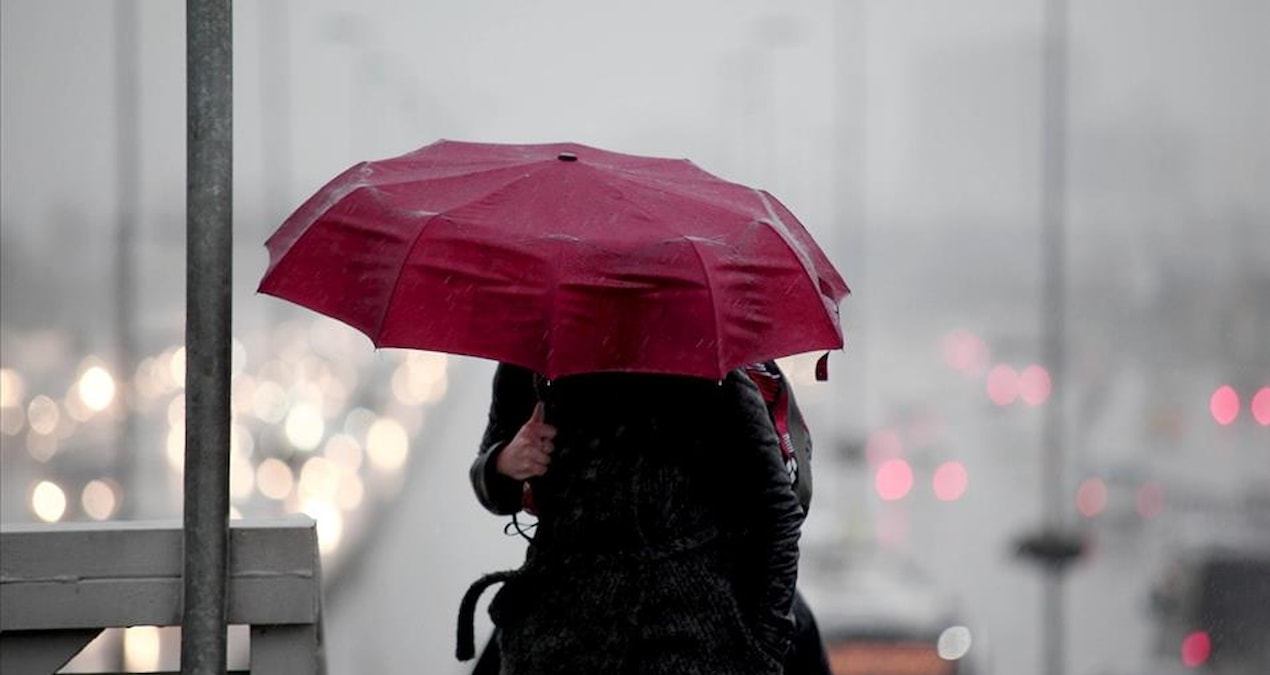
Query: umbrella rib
point(810, 273)
point(418, 235)
point(318, 204)
point(714, 306)
point(705, 269)
point(468, 174)
point(722, 204)
point(782, 230)
point(554, 305)
point(379, 328)
point(608, 179)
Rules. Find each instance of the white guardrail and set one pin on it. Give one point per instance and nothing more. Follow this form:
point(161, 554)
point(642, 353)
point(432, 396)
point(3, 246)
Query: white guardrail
point(62, 584)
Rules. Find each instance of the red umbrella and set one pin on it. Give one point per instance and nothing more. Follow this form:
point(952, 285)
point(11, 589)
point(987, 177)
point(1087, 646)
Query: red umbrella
point(561, 258)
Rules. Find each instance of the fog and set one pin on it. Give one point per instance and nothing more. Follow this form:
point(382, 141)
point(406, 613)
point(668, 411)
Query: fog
point(907, 136)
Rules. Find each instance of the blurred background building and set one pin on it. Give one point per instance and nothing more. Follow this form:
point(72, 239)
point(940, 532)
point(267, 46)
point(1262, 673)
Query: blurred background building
point(909, 139)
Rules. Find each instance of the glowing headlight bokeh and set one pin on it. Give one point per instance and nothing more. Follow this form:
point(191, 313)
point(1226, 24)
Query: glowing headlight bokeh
point(274, 479)
point(954, 643)
point(344, 451)
point(96, 388)
point(387, 444)
point(43, 415)
point(48, 501)
point(319, 479)
point(269, 402)
point(323, 426)
point(305, 426)
point(99, 500)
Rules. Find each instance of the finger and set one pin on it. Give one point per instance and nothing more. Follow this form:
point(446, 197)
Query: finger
point(547, 447)
point(521, 445)
point(546, 431)
point(536, 416)
point(538, 459)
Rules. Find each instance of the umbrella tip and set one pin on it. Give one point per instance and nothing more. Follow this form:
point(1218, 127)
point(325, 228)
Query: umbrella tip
point(567, 157)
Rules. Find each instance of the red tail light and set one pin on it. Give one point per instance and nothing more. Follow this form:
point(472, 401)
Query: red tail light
point(1196, 648)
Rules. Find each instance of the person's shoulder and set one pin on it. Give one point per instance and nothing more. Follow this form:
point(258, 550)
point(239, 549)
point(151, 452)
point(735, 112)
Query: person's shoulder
point(738, 383)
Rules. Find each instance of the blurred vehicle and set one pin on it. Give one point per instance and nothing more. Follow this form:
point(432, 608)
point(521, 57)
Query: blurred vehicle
point(880, 615)
point(1211, 611)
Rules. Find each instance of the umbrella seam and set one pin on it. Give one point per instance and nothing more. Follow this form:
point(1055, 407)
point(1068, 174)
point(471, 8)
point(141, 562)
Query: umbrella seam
point(379, 328)
point(656, 186)
point(800, 250)
point(783, 231)
point(714, 306)
point(272, 242)
point(810, 274)
point(469, 174)
point(718, 341)
point(778, 227)
point(607, 179)
point(804, 255)
point(551, 321)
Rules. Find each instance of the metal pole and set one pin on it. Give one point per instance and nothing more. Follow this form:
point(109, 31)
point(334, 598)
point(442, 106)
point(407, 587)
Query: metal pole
point(850, 199)
point(209, 220)
point(1053, 318)
point(127, 137)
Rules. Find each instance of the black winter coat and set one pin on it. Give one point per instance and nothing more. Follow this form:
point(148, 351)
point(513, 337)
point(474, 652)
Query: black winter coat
point(667, 527)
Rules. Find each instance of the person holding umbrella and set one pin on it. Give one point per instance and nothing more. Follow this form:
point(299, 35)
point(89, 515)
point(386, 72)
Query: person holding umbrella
point(667, 534)
point(629, 290)
point(503, 467)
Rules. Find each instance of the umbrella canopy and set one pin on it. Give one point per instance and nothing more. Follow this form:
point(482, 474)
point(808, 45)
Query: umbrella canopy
point(560, 258)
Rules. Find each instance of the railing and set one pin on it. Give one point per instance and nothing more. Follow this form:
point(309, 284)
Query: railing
point(62, 584)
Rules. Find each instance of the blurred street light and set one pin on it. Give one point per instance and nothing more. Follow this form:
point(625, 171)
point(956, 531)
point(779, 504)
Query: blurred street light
point(1224, 405)
point(1260, 406)
point(950, 481)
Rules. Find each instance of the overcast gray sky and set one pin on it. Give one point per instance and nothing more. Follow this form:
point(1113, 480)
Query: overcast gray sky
point(951, 92)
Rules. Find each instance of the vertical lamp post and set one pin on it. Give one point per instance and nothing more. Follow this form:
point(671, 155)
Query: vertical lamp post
point(209, 219)
point(850, 199)
point(1056, 545)
point(127, 190)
